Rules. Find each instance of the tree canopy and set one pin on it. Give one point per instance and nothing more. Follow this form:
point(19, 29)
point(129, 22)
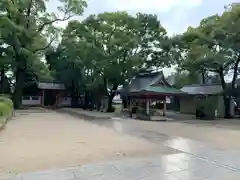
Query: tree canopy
point(27, 29)
point(213, 47)
point(104, 51)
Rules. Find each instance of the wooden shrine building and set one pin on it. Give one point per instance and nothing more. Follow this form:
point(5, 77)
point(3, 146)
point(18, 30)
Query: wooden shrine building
point(144, 90)
point(45, 94)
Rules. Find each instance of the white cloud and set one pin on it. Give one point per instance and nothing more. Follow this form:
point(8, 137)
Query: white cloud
point(156, 5)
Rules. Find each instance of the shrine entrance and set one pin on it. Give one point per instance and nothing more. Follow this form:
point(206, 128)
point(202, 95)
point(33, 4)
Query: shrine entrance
point(146, 88)
point(144, 107)
point(145, 104)
point(50, 97)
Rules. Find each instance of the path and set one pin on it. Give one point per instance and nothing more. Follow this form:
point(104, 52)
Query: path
point(156, 150)
point(181, 166)
point(218, 133)
point(40, 140)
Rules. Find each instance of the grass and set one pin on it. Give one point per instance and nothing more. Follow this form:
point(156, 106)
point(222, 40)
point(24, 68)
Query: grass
point(1, 120)
point(6, 108)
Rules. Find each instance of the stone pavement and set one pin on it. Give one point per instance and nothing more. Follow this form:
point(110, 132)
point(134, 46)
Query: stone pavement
point(170, 167)
point(197, 162)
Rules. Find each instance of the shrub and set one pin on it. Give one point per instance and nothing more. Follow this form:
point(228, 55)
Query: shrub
point(7, 100)
point(5, 110)
point(6, 106)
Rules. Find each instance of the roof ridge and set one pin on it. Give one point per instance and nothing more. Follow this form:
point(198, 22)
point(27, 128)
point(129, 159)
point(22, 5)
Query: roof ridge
point(198, 85)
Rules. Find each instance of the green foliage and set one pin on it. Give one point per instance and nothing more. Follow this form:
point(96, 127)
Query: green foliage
point(126, 42)
point(104, 50)
point(184, 78)
point(214, 45)
point(27, 29)
point(6, 106)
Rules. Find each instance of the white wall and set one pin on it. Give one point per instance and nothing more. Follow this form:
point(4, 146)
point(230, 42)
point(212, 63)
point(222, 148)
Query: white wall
point(65, 101)
point(31, 100)
point(36, 100)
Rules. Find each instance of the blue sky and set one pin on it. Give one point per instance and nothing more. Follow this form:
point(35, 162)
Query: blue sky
point(175, 15)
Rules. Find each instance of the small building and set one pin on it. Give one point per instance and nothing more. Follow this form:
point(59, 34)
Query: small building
point(45, 94)
point(194, 93)
point(146, 88)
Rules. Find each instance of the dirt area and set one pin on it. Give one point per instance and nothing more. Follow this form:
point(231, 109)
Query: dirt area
point(39, 140)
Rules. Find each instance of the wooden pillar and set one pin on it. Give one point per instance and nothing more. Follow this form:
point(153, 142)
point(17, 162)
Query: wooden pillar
point(57, 99)
point(164, 106)
point(130, 107)
point(42, 97)
point(148, 107)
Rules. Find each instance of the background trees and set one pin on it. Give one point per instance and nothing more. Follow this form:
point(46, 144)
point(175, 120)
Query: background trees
point(213, 47)
point(27, 29)
point(104, 51)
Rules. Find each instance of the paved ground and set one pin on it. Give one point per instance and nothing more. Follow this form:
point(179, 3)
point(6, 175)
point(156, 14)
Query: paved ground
point(201, 153)
point(205, 164)
point(40, 140)
point(219, 133)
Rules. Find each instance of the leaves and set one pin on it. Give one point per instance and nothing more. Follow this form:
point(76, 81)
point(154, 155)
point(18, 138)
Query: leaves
point(214, 45)
point(106, 49)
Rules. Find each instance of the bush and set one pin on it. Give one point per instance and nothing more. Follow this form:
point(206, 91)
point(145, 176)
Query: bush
point(7, 100)
point(6, 106)
point(5, 110)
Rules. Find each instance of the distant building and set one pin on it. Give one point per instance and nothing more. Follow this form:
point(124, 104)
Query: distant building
point(45, 94)
point(189, 102)
point(145, 89)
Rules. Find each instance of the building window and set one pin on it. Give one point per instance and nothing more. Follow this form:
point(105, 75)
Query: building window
point(26, 98)
point(35, 98)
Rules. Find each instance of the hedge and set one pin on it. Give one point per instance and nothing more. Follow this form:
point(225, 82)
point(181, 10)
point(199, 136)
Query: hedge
point(6, 106)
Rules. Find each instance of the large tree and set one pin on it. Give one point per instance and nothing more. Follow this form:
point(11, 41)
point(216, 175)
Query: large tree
point(127, 44)
point(73, 60)
point(214, 47)
point(28, 28)
point(105, 50)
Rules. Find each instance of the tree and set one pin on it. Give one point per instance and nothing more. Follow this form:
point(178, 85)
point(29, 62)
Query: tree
point(127, 44)
point(214, 47)
point(73, 61)
point(27, 28)
point(181, 78)
point(105, 50)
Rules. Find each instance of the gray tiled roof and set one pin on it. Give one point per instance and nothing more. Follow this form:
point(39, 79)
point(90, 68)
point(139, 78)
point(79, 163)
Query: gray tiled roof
point(202, 89)
point(56, 86)
point(142, 81)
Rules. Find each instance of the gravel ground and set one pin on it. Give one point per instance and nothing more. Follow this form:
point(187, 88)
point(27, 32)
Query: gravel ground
point(39, 139)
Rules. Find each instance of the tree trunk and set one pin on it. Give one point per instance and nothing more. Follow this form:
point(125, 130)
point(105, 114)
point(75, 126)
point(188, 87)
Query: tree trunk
point(86, 100)
point(226, 99)
point(227, 106)
point(17, 95)
point(203, 78)
point(110, 107)
point(110, 94)
point(235, 75)
point(74, 101)
point(2, 81)
point(124, 102)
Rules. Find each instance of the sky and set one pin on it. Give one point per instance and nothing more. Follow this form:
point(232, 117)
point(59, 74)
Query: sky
point(175, 15)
